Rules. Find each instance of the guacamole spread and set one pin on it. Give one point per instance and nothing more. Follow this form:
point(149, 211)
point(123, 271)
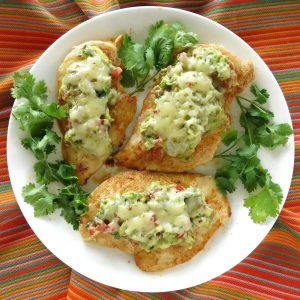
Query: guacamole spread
point(162, 216)
point(87, 90)
point(189, 103)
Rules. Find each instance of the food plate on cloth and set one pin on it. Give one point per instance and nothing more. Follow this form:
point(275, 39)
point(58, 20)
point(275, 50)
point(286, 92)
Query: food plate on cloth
point(231, 243)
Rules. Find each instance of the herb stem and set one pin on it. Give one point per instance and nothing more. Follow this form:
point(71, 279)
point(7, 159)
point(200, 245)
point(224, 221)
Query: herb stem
point(143, 83)
point(251, 102)
point(229, 148)
point(245, 120)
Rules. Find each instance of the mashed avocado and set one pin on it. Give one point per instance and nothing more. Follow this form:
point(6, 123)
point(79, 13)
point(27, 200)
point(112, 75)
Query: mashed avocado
point(86, 88)
point(162, 216)
point(189, 104)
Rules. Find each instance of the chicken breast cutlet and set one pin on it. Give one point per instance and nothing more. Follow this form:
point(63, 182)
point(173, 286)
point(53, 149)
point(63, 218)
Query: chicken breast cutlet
point(99, 110)
point(161, 219)
point(186, 112)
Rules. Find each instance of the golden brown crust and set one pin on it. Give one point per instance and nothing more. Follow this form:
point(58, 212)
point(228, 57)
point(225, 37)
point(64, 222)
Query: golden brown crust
point(157, 260)
point(135, 155)
point(87, 164)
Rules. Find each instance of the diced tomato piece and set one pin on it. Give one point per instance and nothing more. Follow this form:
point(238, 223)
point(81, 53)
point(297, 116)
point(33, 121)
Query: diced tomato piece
point(179, 187)
point(91, 230)
point(102, 227)
point(116, 73)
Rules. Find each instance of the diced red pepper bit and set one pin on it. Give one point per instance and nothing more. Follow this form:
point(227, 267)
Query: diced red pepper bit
point(116, 72)
point(91, 230)
point(102, 227)
point(179, 187)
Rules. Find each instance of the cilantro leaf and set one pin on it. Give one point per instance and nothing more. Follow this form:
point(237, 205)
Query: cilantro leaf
point(41, 147)
point(265, 203)
point(247, 151)
point(244, 164)
point(262, 96)
point(226, 179)
point(30, 144)
point(163, 42)
point(229, 137)
point(253, 174)
point(43, 172)
point(262, 115)
point(32, 121)
point(163, 52)
point(150, 59)
point(26, 87)
point(40, 199)
point(68, 213)
point(273, 135)
point(128, 79)
point(48, 141)
point(177, 26)
point(36, 118)
point(23, 85)
point(158, 31)
point(73, 203)
point(65, 172)
point(54, 110)
point(133, 58)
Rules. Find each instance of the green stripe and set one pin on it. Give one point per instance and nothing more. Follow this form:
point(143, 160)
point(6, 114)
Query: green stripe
point(25, 252)
point(277, 259)
point(20, 247)
point(32, 264)
point(32, 283)
point(205, 287)
point(276, 251)
point(33, 274)
point(282, 226)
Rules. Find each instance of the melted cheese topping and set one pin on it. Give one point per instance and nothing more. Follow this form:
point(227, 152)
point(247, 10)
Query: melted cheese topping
point(189, 104)
point(162, 216)
point(86, 88)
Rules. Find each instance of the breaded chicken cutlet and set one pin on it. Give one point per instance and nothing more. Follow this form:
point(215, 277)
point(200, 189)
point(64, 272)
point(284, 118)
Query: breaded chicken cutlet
point(161, 219)
point(186, 112)
point(99, 110)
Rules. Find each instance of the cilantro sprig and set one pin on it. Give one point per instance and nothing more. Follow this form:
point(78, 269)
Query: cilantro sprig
point(36, 118)
point(241, 159)
point(142, 62)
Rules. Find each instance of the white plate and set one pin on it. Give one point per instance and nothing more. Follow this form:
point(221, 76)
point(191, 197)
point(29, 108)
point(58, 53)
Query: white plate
point(230, 244)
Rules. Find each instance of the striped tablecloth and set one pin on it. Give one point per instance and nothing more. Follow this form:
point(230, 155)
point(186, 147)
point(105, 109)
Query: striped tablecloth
point(29, 271)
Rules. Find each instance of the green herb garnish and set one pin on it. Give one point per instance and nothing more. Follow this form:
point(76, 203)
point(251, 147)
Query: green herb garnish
point(159, 50)
point(244, 164)
point(36, 118)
